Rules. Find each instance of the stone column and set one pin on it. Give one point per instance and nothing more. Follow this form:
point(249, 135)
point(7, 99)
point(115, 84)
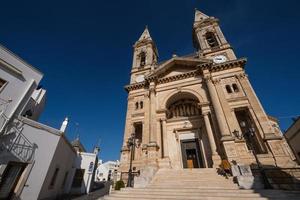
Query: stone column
point(165, 138)
point(226, 107)
point(153, 122)
point(146, 125)
point(152, 145)
point(128, 124)
point(225, 133)
point(215, 156)
point(210, 135)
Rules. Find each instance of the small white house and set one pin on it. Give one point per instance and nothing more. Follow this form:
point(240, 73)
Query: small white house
point(84, 169)
point(107, 171)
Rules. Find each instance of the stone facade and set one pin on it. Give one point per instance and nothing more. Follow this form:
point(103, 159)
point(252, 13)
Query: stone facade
point(292, 136)
point(193, 111)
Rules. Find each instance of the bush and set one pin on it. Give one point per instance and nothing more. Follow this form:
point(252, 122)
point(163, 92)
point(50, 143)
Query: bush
point(119, 184)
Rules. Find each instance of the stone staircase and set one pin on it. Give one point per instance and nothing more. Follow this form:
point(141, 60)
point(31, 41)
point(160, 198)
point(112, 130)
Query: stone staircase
point(188, 184)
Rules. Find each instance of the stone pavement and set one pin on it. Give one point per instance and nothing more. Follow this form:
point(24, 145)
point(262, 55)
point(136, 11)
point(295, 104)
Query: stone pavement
point(96, 194)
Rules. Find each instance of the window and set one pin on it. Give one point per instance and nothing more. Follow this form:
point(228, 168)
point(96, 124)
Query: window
point(211, 39)
point(101, 174)
point(64, 181)
point(235, 87)
point(2, 83)
point(143, 59)
point(52, 183)
point(183, 108)
point(138, 128)
point(228, 89)
point(78, 178)
point(141, 105)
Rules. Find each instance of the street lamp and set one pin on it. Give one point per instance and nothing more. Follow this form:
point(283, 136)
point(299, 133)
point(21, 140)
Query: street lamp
point(132, 143)
point(249, 134)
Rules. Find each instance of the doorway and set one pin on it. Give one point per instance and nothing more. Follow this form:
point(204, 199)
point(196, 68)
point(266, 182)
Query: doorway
point(10, 179)
point(191, 156)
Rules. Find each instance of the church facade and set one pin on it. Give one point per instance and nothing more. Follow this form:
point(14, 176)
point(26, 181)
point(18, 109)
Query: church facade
point(194, 111)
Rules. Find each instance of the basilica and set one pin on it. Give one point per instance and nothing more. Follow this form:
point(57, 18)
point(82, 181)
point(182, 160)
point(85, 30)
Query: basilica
point(196, 110)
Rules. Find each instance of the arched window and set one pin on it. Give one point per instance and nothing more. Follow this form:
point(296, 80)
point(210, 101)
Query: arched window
point(235, 87)
point(143, 59)
point(211, 39)
point(137, 105)
point(183, 108)
point(141, 105)
point(228, 89)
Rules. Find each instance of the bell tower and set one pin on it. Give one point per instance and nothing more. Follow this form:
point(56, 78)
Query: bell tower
point(208, 38)
point(144, 57)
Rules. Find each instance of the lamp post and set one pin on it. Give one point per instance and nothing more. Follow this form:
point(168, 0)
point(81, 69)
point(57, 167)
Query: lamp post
point(249, 135)
point(132, 142)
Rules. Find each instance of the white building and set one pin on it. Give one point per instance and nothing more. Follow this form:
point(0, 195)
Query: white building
point(36, 161)
point(107, 171)
point(84, 169)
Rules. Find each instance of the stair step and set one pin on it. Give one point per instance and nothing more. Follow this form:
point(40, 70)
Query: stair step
point(183, 194)
point(196, 184)
point(208, 193)
point(185, 198)
point(189, 189)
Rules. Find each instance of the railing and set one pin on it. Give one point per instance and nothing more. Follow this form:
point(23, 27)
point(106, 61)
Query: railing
point(23, 148)
point(15, 142)
point(3, 118)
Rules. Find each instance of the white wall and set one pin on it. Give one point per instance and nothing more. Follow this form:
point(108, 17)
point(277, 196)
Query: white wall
point(83, 161)
point(63, 159)
point(46, 144)
point(104, 169)
point(20, 85)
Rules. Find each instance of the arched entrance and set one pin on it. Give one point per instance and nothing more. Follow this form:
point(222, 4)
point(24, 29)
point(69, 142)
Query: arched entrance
point(185, 131)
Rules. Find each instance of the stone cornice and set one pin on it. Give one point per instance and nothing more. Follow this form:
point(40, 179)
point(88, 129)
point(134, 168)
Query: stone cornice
point(10, 67)
point(162, 80)
point(226, 65)
point(135, 86)
point(2, 48)
point(209, 66)
point(178, 77)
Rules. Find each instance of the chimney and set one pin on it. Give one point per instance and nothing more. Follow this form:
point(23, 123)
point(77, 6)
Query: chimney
point(64, 125)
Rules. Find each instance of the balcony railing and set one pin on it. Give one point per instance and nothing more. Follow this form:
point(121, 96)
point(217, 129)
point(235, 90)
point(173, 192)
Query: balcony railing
point(15, 142)
point(3, 118)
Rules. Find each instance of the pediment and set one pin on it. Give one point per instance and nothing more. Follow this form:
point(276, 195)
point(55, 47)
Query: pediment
point(176, 66)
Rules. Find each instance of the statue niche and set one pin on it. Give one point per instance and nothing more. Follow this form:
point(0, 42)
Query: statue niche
point(183, 108)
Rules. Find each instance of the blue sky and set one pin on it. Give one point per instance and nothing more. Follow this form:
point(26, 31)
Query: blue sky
point(84, 48)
